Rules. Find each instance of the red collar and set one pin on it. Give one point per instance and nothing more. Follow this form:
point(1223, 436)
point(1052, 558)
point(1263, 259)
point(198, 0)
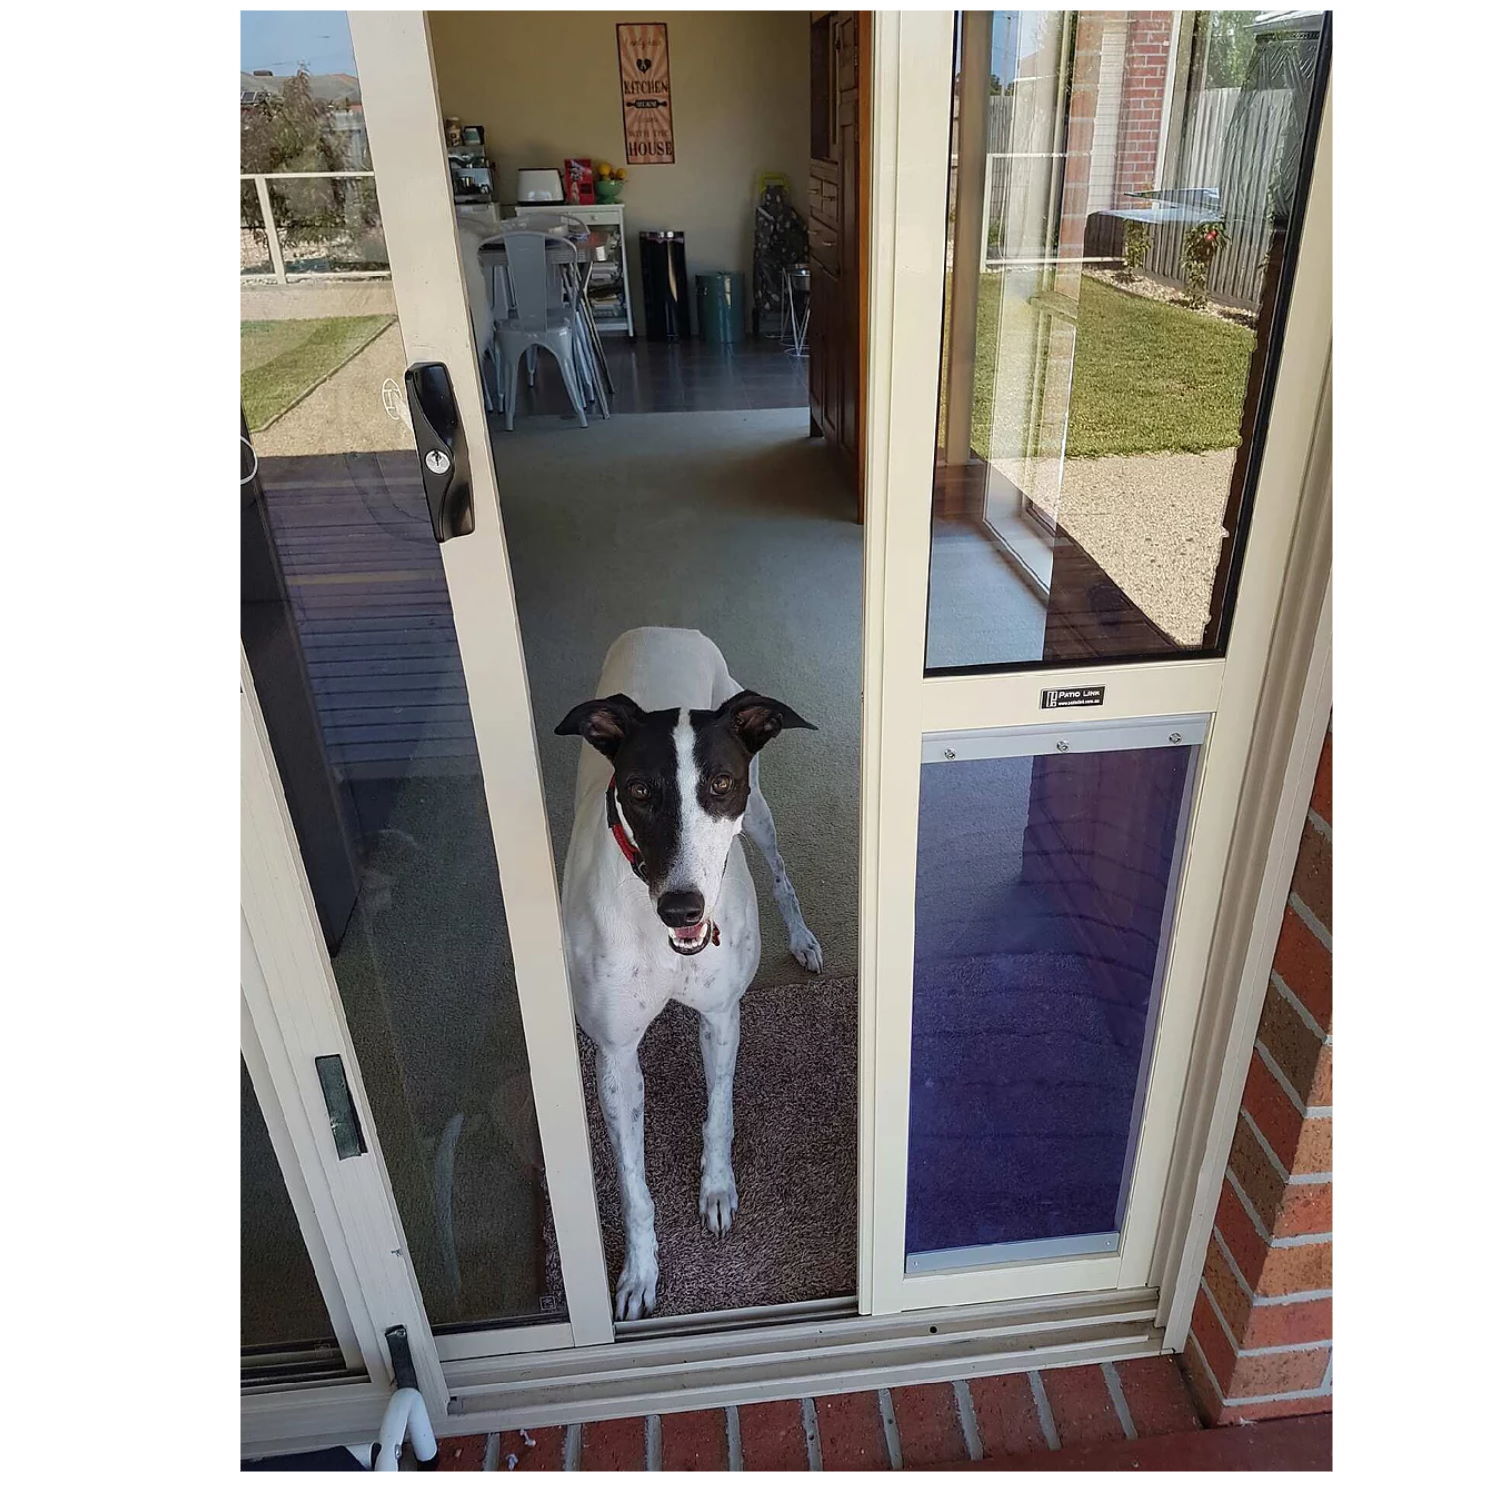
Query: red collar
point(616, 827)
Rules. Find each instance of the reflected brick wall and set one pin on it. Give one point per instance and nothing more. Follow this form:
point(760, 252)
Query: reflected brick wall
point(1143, 104)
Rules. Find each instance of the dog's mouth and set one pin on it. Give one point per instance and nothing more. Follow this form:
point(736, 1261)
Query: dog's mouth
point(690, 940)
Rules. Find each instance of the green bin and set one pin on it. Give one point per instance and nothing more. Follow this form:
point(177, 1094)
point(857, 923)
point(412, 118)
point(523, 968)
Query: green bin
point(721, 306)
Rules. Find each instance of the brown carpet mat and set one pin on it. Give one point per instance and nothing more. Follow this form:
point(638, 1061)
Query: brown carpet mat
point(795, 1154)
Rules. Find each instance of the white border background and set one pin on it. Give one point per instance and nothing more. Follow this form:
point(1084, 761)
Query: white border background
point(121, 753)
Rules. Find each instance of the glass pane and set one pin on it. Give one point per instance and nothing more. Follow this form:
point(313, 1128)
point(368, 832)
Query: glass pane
point(281, 1307)
point(1121, 238)
point(349, 632)
point(1045, 884)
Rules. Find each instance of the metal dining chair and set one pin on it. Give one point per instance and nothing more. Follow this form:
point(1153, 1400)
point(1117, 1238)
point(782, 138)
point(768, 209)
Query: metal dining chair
point(539, 316)
point(481, 311)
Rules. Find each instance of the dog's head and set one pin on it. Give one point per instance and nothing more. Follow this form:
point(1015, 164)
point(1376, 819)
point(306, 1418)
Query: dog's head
point(682, 779)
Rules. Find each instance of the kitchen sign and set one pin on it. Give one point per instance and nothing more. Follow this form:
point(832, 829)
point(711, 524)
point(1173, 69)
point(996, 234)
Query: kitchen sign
point(646, 93)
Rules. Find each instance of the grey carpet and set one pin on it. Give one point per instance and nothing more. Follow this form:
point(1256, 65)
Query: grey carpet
point(735, 523)
point(794, 1238)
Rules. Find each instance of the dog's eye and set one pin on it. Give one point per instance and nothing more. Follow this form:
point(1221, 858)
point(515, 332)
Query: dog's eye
point(638, 791)
point(720, 786)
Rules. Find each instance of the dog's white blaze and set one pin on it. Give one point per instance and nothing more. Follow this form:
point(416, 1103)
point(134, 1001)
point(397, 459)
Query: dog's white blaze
point(703, 846)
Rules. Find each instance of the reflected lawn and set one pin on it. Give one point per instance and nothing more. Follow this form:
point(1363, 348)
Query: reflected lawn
point(1147, 377)
point(280, 362)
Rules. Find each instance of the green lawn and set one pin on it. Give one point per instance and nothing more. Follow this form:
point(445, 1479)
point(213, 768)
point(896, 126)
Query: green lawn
point(281, 362)
point(1147, 377)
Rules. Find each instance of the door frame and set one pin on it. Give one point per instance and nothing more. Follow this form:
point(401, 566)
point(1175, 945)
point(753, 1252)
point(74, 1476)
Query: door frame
point(1282, 668)
point(909, 146)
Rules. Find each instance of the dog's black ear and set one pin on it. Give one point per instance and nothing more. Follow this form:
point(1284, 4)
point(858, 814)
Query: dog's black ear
point(757, 720)
point(606, 723)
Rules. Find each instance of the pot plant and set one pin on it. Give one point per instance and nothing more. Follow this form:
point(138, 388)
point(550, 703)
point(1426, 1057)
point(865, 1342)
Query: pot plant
point(609, 182)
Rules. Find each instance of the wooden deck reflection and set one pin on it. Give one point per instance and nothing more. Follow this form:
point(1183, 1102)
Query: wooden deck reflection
point(373, 614)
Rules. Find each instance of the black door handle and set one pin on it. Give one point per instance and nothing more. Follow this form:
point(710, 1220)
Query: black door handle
point(441, 450)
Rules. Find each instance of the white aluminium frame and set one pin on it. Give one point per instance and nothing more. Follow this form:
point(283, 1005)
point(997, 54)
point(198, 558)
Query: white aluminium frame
point(909, 180)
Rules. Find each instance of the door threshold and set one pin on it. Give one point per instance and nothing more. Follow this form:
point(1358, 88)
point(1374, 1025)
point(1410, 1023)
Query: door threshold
point(706, 1367)
point(773, 1315)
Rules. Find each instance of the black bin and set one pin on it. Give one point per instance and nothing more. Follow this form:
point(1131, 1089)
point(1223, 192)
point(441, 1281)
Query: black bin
point(664, 283)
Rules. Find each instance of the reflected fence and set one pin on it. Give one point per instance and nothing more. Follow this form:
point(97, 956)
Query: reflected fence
point(310, 224)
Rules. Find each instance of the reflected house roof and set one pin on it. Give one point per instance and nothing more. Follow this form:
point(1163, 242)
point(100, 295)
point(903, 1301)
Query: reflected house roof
point(332, 88)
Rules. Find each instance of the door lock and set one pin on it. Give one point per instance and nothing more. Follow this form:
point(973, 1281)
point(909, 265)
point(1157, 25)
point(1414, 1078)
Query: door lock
point(445, 455)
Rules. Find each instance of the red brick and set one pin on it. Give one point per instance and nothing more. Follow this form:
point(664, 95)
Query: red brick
point(462, 1453)
point(544, 1454)
point(1275, 1116)
point(1232, 1299)
point(1262, 1180)
point(1294, 1046)
point(1297, 1268)
point(927, 1420)
point(1214, 1344)
point(1245, 1244)
point(1306, 968)
point(615, 1445)
point(1007, 1415)
point(1274, 1323)
point(1320, 1089)
point(1306, 1208)
point(1322, 792)
point(851, 1431)
point(1156, 1395)
point(1261, 1411)
point(1200, 1387)
point(772, 1436)
point(1081, 1405)
point(1312, 880)
point(1314, 1151)
point(1278, 1374)
point(694, 1441)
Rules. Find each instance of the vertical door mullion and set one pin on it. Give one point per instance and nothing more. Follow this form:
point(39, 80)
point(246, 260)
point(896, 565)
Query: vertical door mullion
point(293, 1005)
point(403, 119)
point(910, 111)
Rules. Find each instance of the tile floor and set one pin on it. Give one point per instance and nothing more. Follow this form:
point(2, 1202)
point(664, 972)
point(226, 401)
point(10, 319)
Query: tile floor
point(688, 375)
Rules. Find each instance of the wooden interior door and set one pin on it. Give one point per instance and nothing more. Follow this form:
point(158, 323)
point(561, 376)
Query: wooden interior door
point(835, 385)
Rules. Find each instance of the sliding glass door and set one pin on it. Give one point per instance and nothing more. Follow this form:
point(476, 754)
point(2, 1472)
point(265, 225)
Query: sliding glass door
point(422, 1005)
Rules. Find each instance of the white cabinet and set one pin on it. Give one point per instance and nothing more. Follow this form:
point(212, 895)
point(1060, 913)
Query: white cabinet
point(609, 278)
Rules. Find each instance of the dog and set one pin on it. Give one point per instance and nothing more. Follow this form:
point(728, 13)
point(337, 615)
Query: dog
point(658, 903)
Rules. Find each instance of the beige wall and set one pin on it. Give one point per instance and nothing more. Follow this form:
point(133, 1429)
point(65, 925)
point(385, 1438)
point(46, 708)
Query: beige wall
point(545, 85)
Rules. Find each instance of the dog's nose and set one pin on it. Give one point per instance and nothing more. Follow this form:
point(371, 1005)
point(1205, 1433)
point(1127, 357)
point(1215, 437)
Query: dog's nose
point(680, 908)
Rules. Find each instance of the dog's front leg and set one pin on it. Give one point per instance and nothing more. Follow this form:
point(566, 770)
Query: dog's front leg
point(622, 1097)
point(719, 1038)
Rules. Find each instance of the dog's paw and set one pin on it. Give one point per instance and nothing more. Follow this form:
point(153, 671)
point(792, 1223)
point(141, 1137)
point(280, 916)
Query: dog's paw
point(717, 1201)
point(635, 1291)
point(806, 949)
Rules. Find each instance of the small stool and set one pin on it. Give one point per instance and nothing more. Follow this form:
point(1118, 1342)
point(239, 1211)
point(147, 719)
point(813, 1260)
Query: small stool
point(796, 281)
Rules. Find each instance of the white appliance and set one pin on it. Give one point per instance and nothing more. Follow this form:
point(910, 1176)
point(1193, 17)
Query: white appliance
point(539, 185)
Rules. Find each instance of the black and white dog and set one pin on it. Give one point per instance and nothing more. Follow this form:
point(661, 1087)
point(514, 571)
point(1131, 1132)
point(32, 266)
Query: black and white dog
point(658, 903)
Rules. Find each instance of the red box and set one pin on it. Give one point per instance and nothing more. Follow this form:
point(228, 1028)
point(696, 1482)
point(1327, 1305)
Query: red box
point(578, 179)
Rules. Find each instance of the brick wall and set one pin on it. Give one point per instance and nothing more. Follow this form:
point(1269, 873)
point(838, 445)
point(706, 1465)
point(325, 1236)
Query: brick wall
point(1144, 101)
point(1262, 1332)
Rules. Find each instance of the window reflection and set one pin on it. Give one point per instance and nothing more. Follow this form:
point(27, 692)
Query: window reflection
point(1123, 192)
